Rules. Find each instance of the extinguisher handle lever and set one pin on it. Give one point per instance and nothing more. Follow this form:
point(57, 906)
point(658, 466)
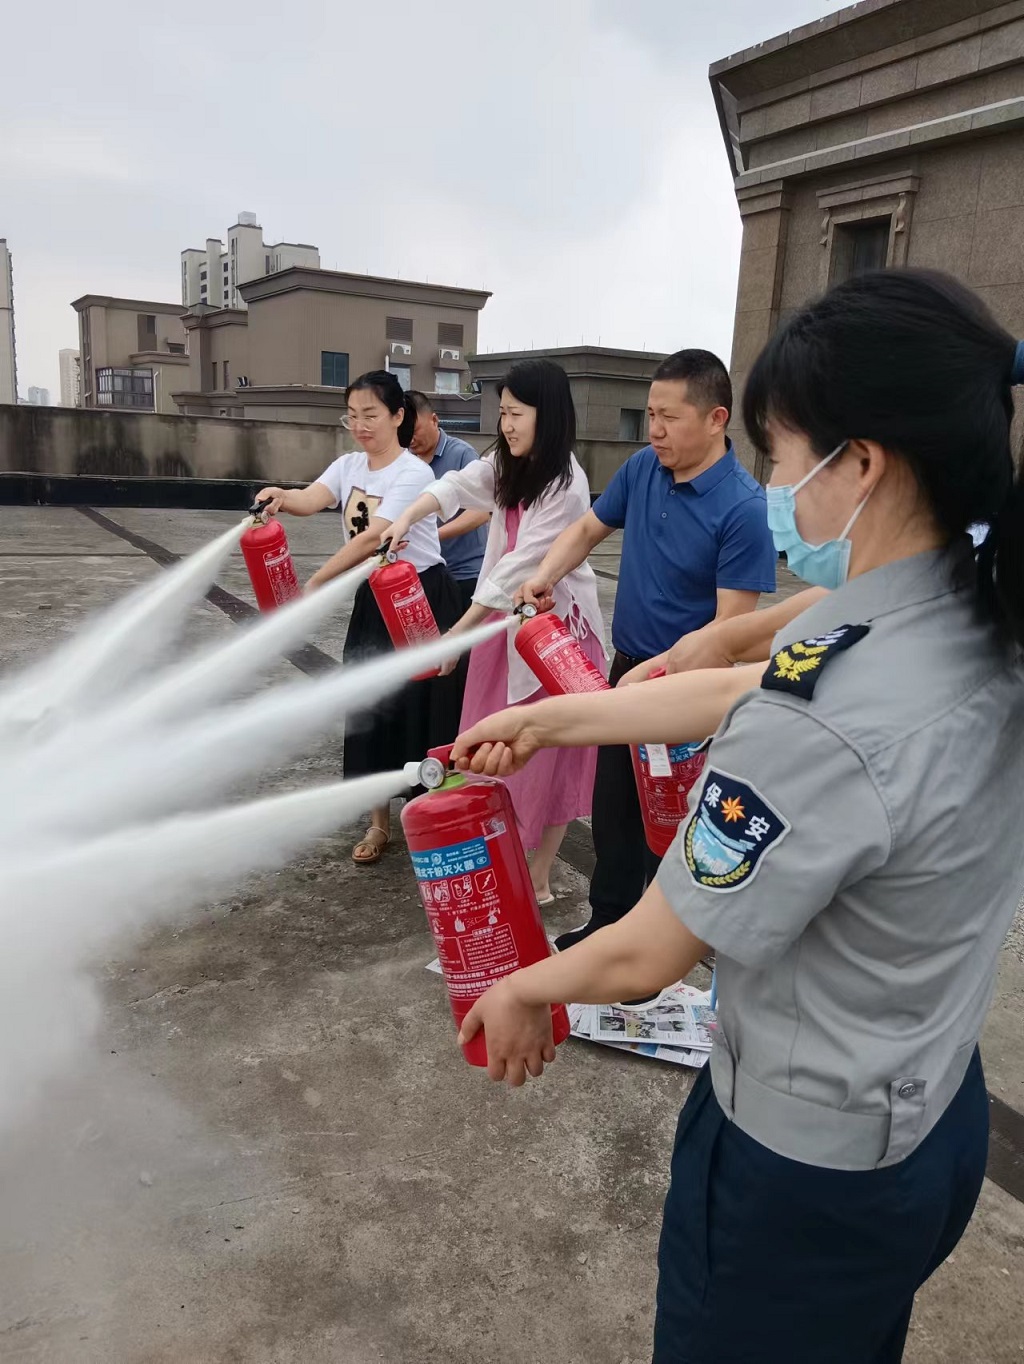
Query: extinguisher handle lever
point(257, 507)
point(387, 554)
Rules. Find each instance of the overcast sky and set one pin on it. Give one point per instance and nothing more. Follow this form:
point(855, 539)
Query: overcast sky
point(564, 154)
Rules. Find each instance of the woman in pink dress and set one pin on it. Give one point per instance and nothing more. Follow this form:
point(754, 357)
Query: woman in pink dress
point(534, 487)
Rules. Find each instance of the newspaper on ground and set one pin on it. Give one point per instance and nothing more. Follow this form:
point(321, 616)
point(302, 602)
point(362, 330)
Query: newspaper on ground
point(677, 1027)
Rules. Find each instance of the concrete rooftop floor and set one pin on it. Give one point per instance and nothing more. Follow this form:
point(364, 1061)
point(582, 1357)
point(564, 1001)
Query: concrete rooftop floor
point(271, 1151)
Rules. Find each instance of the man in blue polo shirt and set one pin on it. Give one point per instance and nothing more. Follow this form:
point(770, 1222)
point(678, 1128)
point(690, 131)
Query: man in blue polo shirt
point(464, 537)
point(695, 548)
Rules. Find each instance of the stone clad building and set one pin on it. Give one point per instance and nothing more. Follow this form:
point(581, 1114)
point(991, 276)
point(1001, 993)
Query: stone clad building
point(888, 133)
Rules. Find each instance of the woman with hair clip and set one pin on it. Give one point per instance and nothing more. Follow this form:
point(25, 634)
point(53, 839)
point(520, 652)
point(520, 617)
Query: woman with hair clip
point(373, 486)
point(853, 854)
point(533, 484)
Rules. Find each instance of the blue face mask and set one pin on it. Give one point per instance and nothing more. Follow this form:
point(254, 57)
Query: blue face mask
point(824, 565)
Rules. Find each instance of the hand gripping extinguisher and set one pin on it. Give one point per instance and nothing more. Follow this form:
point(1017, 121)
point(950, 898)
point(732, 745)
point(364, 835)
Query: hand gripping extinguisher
point(398, 592)
point(475, 886)
point(269, 561)
point(555, 658)
point(664, 778)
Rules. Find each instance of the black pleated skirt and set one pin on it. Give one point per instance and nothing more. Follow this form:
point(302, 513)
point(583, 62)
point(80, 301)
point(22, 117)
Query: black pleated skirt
point(400, 728)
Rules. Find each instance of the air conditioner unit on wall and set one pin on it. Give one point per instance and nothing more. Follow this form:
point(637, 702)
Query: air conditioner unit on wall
point(451, 353)
point(399, 348)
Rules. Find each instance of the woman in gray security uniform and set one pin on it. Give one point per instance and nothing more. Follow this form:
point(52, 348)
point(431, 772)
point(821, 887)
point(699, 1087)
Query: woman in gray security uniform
point(854, 854)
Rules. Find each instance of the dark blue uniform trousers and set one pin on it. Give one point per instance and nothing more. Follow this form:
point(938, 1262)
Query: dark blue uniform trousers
point(765, 1260)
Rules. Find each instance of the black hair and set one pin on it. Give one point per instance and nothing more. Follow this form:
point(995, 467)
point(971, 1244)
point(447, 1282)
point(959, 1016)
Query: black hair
point(914, 360)
point(544, 385)
point(707, 380)
point(420, 401)
point(386, 387)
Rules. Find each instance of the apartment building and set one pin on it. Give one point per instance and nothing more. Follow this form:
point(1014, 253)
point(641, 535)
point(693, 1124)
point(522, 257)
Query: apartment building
point(305, 333)
point(212, 276)
point(70, 378)
point(133, 353)
point(8, 353)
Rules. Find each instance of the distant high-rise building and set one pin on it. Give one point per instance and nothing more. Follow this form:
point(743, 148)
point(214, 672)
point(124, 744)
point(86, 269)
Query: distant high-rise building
point(39, 397)
point(8, 359)
point(211, 275)
point(70, 378)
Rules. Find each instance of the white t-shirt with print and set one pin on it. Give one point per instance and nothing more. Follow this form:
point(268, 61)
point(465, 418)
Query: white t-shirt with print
point(362, 493)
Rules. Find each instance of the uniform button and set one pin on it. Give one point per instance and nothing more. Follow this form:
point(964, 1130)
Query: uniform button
point(664, 516)
point(908, 1090)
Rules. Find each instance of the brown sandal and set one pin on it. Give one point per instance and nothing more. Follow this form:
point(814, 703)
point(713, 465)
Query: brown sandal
point(376, 848)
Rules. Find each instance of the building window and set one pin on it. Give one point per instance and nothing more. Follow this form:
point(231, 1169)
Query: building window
point(631, 424)
point(202, 274)
point(858, 247)
point(446, 380)
point(403, 373)
point(146, 325)
point(449, 334)
point(124, 388)
point(227, 381)
point(176, 348)
point(399, 329)
point(267, 270)
point(334, 368)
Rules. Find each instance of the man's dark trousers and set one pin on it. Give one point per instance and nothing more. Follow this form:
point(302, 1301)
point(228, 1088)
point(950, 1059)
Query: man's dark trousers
point(625, 865)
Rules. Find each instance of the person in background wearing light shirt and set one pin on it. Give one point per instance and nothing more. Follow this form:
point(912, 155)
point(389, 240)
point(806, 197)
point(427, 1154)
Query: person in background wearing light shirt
point(463, 538)
point(535, 487)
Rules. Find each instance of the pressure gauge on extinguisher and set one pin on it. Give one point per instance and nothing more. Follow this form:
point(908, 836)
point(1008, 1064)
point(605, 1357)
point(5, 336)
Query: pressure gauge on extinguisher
point(526, 610)
point(431, 773)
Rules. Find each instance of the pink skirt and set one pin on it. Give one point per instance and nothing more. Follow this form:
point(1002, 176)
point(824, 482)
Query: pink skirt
point(556, 786)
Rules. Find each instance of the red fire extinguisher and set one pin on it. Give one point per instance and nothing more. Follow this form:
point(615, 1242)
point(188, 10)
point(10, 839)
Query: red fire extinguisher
point(475, 886)
point(403, 603)
point(555, 658)
point(269, 561)
point(665, 776)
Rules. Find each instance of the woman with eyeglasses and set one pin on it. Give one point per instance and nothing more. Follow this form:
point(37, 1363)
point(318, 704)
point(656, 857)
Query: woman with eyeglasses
point(372, 486)
point(534, 487)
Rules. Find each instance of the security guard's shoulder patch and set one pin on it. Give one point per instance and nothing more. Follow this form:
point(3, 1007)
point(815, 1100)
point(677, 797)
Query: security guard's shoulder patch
point(795, 670)
point(729, 832)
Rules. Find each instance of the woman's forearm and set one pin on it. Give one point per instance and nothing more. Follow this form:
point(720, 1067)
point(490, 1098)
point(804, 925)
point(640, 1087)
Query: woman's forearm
point(641, 953)
point(748, 638)
point(358, 549)
point(474, 615)
point(683, 708)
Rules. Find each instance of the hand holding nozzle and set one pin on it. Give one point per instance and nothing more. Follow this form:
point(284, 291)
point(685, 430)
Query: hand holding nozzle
point(538, 593)
point(395, 537)
point(268, 502)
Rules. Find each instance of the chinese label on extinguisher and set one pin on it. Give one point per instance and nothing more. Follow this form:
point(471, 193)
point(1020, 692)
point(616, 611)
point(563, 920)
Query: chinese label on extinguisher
point(668, 775)
point(563, 658)
point(459, 889)
point(281, 575)
point(413, 610)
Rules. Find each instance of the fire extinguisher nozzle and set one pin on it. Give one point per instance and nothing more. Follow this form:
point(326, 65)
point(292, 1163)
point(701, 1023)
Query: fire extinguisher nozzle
point(411, 771)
